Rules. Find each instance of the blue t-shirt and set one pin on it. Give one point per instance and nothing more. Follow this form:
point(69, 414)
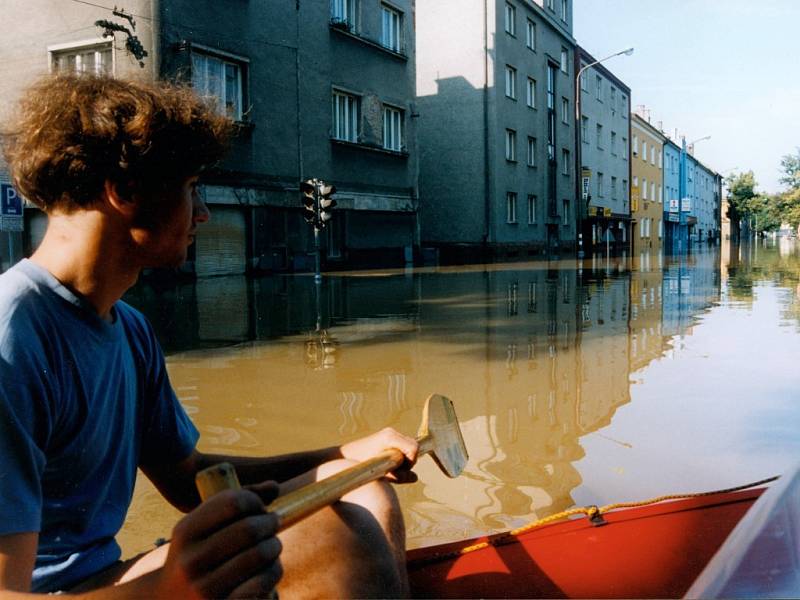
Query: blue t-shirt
point(83, 403)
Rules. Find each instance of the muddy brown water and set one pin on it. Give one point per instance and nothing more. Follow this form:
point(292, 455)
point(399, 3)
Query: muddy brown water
point(576, 382)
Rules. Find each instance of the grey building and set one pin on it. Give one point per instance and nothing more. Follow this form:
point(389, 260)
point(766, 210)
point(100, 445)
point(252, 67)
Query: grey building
point(706, 205)
point(605, 134)
point(319, 88)
point(495, 99)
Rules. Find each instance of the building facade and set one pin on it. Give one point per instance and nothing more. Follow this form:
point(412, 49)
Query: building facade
point(318, 88)
point(706, 205)
point(647, 186)
point(674, 230)
point(604, 131)
point(495, 101)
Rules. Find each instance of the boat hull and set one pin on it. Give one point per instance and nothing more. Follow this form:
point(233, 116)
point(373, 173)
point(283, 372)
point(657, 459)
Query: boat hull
point(654, 551)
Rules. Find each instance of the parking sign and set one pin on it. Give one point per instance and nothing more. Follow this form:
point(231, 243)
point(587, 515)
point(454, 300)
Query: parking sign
point(10, 208)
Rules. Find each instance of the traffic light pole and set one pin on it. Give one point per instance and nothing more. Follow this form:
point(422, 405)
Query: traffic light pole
point(317, 258)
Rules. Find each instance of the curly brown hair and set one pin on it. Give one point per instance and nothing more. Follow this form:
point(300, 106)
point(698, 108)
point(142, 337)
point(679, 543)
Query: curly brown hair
point(74, 132)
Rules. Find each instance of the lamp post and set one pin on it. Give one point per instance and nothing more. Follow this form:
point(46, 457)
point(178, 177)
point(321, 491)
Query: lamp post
point(580, 213)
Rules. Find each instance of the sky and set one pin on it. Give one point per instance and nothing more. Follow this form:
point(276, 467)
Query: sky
point(725, 68)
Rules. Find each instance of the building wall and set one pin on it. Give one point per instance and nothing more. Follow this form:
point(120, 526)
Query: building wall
point(647, 185)
point(605, 102)
point(707, 205)
point(671, 179)
point(465, 113)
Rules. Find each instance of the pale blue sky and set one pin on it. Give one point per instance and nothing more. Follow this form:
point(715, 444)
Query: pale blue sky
point(725, 68)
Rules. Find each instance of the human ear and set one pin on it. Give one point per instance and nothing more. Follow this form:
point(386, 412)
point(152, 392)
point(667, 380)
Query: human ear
point(120, 199)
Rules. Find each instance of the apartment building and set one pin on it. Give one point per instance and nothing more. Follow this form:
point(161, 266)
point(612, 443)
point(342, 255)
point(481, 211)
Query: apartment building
point(318, 88)
point(604, 131)
point(495, 96)
point(647, 185)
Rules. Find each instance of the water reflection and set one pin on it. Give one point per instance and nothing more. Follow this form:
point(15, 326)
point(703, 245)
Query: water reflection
point(540, 359)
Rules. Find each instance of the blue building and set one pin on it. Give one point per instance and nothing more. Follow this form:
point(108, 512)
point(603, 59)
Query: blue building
point(675, 235)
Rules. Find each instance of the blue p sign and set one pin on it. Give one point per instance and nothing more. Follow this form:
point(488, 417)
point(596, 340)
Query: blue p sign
point(10, 201)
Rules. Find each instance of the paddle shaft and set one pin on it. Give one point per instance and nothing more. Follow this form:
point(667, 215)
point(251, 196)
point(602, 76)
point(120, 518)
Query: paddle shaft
point(296, 505)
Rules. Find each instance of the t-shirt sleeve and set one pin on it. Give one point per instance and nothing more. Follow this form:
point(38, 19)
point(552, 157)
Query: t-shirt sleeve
point(169, 434)
point(22, 460)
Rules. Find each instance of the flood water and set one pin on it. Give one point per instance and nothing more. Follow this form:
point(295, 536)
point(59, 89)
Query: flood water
point(576, 382)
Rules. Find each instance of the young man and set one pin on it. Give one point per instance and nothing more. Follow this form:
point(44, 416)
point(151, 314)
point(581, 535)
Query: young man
point(85, 398)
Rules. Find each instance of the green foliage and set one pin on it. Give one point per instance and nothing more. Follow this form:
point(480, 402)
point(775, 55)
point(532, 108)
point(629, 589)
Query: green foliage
point(790, 165)
point(741, 192)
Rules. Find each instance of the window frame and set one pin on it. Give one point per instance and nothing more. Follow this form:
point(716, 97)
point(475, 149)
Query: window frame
point(396, 26)
point(224, 59)
point(392, 111)
point(510, 18)
point(530, 35)
point(511, 82)
point(80, 48)
point(530, 93)
point(348, 15)
point(532, 209)
point(511, 145)
point(353, 120)
point(511, 208)
point(531, 151)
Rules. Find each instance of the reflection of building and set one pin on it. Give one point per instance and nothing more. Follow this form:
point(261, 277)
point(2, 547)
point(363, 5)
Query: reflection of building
point(604, 132)
point(691, 286)
point(646, 340)
point(319, 89)
point(647, 185)
point(495, 98)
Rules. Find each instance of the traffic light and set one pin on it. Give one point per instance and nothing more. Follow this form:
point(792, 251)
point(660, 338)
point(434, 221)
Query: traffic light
point(326, 202)
point(307, 195)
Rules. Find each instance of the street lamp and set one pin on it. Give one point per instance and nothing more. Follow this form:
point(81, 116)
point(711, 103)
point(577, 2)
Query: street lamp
point(690, 146)
point(578, 151)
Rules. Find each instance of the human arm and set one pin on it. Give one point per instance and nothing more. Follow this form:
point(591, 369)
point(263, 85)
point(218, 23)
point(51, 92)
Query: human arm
point(226, 547)
point(175, 481)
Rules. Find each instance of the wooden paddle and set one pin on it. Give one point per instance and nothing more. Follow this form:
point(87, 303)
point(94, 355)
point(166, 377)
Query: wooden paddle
point(439, 434)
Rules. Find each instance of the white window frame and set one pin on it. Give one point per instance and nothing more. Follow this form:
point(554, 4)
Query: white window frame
point(97, 46)
point(660, 195)
point(564, 60)
point(204, 60)
point(511, 82)
point(511, 19)
point(644, 188)
point(511, 207)
point(564, 161)
point(530, 93)
point(624, 148)
point(393, 128)
point(531, 209)
point(531, 158)
point(345, 11)
point(565, 114)
point(635, 145)
point(391, 28)
point(653, 196)
point(511, 145)
point(652, 154)
point(530, 35)
point(660, 160)
point(613, 143)
point(346, 113)
point(564, 10)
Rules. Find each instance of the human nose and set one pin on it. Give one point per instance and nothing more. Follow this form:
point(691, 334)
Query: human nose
point(200, 212)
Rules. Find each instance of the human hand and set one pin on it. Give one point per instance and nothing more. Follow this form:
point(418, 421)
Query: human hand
point(226, 547)
point(367, 447)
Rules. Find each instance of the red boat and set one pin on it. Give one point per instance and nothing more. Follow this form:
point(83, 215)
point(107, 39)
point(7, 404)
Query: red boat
point(731, 544)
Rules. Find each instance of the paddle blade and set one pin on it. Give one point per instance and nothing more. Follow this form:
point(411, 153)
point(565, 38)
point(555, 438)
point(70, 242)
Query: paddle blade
point(439, 422)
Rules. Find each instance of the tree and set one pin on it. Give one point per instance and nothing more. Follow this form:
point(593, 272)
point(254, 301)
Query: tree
point(790, 165)
point(742, 192)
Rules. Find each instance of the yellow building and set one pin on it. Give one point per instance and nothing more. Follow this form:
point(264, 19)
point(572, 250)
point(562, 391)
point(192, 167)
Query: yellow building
point(647, 186)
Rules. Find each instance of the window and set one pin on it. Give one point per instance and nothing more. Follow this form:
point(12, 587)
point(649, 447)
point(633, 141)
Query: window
point(625, 148)
point(624, 189)
point(613, 143)
point(585, 129)
point(221, 80)
point(564, 59)
point(660, 228)
point(511, 207)
point(653, 191)
point(564, 110)
point(644, 188)
point(660, 159)
point(644, 150)
point(345, 117)
point(599, 185)
point(531, 151)
point(599, 136)
point(390, 28)
point(660, 195)
point(624, 103)
point(635, 145)
point(564, 161)
point(613, 100)
point(511, 82)
point(511, 19)
point(550, 4)
point(511, 145)
point(584, 80)
point(87, 59)
point(344, 12)
point(565, 206)
point(598, 84)
point(652, 154)
point(530, 93)
point(613, 188)
point(636, 181)
point(531, 209)
point(564, 10)
point(551, 87)
point(392, 128)
point(530, 35)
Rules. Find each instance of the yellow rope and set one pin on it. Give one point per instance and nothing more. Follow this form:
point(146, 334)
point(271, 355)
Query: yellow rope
point(589, 511)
